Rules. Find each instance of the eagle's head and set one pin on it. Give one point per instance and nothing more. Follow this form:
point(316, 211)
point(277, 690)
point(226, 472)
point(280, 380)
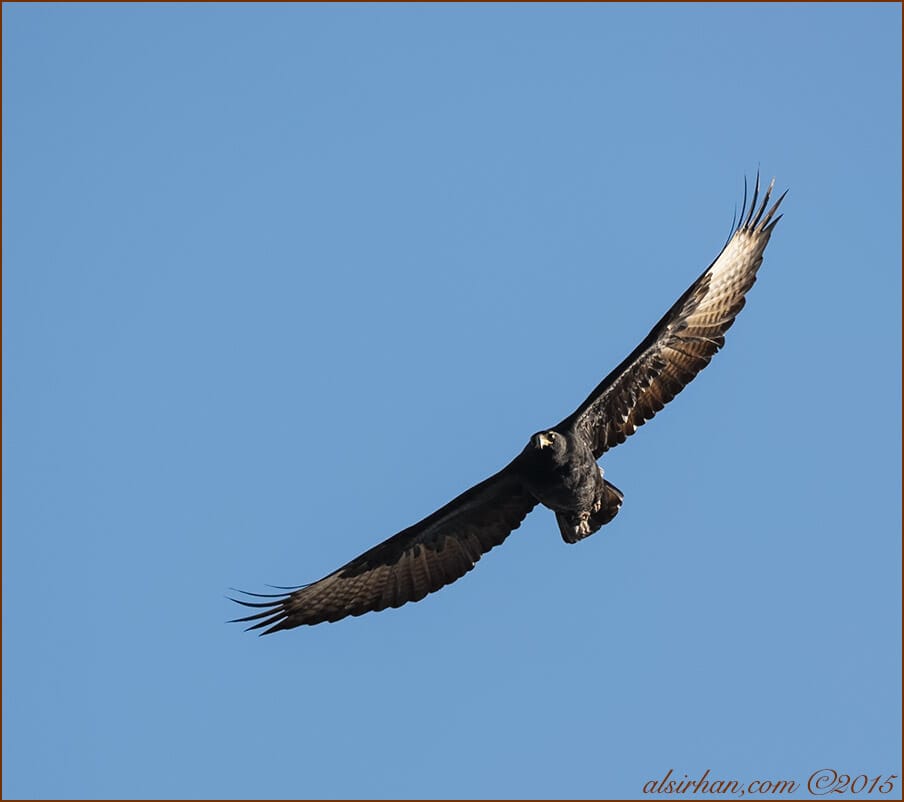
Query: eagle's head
point(551, 443)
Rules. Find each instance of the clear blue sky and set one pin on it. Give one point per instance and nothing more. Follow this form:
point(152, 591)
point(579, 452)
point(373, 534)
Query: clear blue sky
point(278, 281)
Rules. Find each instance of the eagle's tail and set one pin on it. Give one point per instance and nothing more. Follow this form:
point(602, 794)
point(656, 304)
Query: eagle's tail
point(576, 527)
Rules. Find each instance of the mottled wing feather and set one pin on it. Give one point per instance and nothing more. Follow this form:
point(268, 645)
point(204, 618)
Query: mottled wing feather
point(418, 560)
point(683, 342)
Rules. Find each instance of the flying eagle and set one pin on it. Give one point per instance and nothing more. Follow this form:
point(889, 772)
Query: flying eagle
point(557, 467)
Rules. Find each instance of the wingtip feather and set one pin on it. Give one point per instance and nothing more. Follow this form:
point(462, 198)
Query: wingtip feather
point(756, 192)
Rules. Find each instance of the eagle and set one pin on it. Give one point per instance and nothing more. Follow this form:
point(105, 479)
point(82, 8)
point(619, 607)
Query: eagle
point(558, 466)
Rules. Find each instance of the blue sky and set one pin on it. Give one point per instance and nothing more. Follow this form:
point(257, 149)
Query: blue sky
point(278, 281)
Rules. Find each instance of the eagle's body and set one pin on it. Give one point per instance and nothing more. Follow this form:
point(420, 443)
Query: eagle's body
point(558, 467)
point(559, 470)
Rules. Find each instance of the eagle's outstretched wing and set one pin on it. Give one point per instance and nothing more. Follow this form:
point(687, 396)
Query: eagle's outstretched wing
point(682, 343)
point(409, 565)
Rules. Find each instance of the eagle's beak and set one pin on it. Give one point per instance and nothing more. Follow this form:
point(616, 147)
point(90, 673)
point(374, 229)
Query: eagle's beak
point(542, 440)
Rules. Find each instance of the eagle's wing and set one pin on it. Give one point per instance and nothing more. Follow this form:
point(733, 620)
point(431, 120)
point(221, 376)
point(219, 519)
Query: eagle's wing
point(682, 343)
point(409, 565)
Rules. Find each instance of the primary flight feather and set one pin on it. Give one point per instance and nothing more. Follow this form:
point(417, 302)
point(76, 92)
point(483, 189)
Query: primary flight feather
point(557, 467)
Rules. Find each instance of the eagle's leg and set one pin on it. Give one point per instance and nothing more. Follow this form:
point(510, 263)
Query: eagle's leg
point(602, 496)
point(575, 526)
